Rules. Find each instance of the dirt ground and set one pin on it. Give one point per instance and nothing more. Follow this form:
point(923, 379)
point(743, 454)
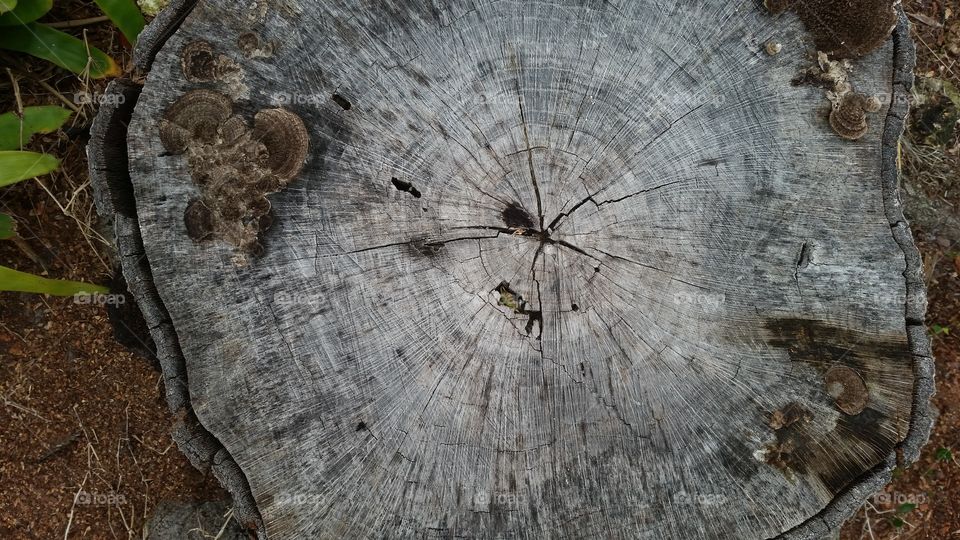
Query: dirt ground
point(84, 429)
point(85, 440)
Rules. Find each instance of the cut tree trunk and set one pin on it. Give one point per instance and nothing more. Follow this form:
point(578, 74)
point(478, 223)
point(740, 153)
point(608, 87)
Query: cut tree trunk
point(522, 269)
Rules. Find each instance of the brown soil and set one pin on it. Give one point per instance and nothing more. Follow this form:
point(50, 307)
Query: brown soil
point(85, 439)
point(84, 429)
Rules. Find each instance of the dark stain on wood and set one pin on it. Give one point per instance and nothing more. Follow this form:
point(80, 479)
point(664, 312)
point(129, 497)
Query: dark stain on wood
point(821, 345)
point(789, 427)
point(798, 449)
point(737, 458)
point(515, 217)
point(866, 427)
point(866, 435)
point(425, 248)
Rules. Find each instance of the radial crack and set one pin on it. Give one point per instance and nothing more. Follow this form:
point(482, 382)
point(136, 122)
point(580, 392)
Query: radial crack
point(533, 173)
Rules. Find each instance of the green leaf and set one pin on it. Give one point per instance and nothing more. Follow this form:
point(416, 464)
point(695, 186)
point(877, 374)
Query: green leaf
point(8, 227)
point(16, 132)
point(944, 454)
point(16, 166)
point(16, 281)
point(937, 330)
point(26, 11)
point(126, 15)
point(62, 49)
point(952, 93)
point(897, 522)
point(7, 5)
point(905, 508)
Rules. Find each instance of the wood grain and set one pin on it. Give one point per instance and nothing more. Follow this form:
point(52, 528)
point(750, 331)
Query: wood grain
point(559, 269)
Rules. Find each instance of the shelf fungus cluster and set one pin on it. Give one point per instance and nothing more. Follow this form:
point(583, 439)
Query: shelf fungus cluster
point(849, 109)
point(235, 166)
point(842, 31)
point(849, 114)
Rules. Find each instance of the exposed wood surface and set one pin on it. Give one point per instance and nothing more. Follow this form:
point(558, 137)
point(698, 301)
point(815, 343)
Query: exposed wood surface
point(564, 269)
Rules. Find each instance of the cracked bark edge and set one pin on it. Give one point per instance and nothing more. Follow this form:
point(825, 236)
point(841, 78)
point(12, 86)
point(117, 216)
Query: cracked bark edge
point(829, 520)
point(153, 37)
point(113, 195)
point(116, 205)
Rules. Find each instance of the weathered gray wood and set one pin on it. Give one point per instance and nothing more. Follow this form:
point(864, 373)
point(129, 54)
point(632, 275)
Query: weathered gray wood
point(536, 269)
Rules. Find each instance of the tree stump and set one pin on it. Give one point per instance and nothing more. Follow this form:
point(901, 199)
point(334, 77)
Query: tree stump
point(524, 269)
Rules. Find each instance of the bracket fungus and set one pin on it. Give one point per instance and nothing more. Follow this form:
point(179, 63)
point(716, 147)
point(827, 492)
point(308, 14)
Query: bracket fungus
point(847, 388)
point(196, 116)
point(234, 166)
point(526, 269)
point(849, 114)
point(201, 63)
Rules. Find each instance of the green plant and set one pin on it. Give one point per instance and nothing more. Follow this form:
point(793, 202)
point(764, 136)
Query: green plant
point(24, 12)
point(938, 330)
point(62, 49)
point(14, 281)
point(898, 520)
point(17, 129)
point(17, 165)
point(126, 15)
point(6, 227)
point(20, 32)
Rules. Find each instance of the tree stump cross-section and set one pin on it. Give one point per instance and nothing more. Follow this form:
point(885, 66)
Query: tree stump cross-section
point(528, 269)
